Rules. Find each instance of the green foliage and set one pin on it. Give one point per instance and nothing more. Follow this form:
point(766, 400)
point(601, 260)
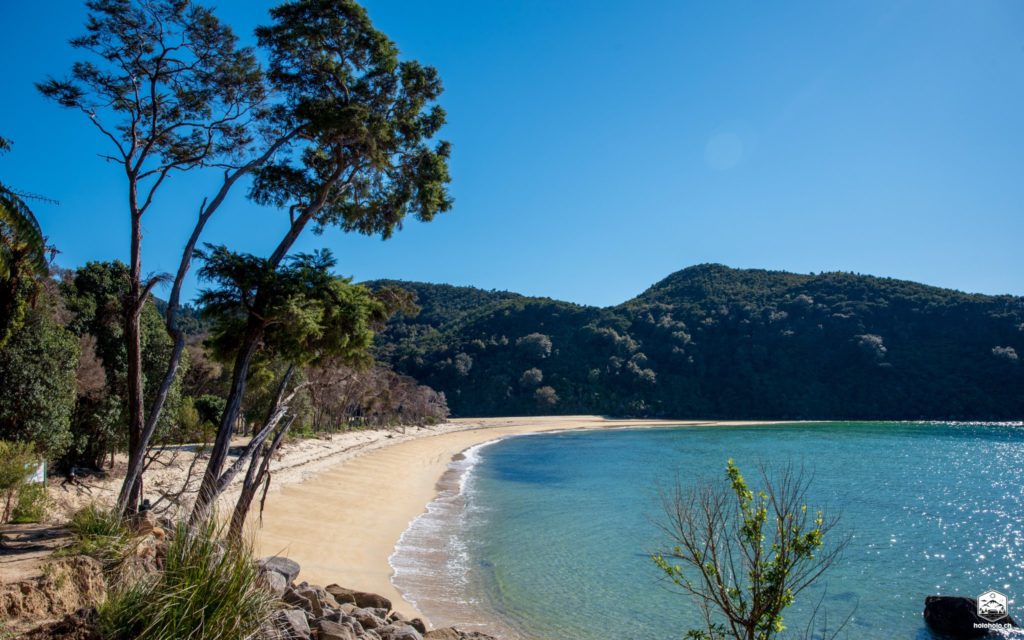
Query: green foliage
point(745, 555)
point(714, 342)
point(210, 408)
point(305, 312)
point(95, 294)
point(33, 501)
point(22, 258)
point(366, 120)
point(208, 590)
point(192, 96)
point(15, 457)
point(37, 367)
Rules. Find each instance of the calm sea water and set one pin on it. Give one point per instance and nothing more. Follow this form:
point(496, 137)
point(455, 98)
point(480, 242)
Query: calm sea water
point(549, 536)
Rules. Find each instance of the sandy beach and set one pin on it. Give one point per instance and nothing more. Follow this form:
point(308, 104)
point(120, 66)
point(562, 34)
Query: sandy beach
point(342, 523)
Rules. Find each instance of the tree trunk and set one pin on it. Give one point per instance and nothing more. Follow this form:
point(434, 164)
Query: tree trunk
point(131, 490)
point(261, 459)
point(208, 490)
point(147, 424)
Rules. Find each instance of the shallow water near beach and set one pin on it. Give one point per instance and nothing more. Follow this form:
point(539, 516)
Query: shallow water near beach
point(549, 535)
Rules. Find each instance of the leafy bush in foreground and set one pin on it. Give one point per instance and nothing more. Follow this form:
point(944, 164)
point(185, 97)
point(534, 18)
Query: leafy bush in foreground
point(14, 456)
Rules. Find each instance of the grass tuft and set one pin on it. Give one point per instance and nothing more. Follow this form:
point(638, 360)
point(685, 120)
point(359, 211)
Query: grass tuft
point(102, 534)
point(207, 590)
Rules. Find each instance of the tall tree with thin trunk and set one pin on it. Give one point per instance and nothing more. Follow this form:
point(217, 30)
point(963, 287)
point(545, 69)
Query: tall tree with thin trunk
point(170, 90)
point(364, 160)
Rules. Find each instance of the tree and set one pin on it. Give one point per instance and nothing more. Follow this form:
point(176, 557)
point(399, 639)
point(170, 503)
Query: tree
point(535, 345)
point(743, 556)
point(307, 316)
point(37, 367)
point(171, 91)
point(546, 397)
point(95, 295)
point(22, 257)
point(531, 377)
point(363, 162)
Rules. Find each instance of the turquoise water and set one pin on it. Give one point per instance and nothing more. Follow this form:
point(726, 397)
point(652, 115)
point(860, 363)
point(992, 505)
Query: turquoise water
point(552, 533)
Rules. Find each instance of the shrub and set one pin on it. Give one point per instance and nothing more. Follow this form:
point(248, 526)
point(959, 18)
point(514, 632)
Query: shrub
point(745, 556)
point(531, 377)
point(33, 499)
point(14, 460)
point(207, 590)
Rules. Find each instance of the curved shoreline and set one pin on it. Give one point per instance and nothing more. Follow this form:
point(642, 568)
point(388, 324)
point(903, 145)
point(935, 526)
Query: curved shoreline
point(343, 524)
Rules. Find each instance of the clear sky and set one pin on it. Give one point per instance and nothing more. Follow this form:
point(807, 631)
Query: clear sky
point(600, 146)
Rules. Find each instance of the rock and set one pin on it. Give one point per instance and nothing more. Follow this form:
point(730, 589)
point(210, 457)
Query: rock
point(956, 616)
point(359, 598)
point(341, 594)
point(399, 632)
point(273, 582)
point(327, 630)
point(296, 599)
point(418, 625)
point(396, 617)
point(307, 598)
point(291, 623)
point(347, 608)
point(285, 566)
point(366, 619)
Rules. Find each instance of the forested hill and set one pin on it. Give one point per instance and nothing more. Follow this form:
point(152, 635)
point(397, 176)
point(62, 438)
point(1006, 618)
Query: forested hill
point(715, 342)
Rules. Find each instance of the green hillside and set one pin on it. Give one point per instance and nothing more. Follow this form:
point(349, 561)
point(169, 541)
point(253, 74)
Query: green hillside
point(711, 341)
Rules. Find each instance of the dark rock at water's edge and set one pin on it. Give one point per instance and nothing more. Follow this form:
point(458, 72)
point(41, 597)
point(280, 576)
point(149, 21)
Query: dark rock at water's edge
point(956, 617)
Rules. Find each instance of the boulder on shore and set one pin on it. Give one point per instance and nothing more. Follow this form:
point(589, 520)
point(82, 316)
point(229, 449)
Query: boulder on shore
point(285, 566)
point(359, 598)
point(288, 624)
point(955, 616)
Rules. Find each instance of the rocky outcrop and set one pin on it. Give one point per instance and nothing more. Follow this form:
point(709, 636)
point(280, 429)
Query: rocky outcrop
point(957, 617)
point(338, 613)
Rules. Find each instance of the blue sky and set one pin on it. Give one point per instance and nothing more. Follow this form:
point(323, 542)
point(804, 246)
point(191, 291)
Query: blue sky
point(599, 146)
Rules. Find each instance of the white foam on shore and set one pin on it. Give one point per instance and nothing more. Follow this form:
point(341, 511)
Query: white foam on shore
point(430, 563)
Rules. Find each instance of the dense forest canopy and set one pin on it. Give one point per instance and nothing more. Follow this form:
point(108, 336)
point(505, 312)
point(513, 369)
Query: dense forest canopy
point(714, 342)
